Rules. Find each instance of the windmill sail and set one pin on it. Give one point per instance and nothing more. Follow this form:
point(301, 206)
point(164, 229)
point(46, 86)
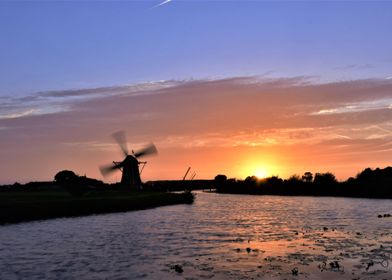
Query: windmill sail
point(130, 164)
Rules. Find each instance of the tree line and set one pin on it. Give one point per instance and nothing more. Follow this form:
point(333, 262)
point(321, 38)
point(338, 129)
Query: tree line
point(371, 183)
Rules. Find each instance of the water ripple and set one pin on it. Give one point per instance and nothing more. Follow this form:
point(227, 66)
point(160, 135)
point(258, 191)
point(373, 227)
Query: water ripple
point(219, 237)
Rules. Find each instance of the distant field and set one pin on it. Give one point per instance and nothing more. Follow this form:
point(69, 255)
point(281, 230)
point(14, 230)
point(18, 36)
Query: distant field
point(27, 206)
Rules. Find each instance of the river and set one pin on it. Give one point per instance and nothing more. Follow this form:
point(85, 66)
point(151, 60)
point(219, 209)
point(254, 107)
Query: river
point(220, 236)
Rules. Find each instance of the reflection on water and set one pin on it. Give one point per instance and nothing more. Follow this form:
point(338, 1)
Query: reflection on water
point(219, 237)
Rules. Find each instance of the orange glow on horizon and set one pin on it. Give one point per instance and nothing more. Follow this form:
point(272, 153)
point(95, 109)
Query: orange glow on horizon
point(261, 165)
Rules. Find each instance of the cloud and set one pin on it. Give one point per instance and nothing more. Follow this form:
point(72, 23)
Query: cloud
point(355, 66)
point(293, 117)
point(357, 107)
point(18, 114)
point(50, 102)
point(129, 90)
point(198, 107)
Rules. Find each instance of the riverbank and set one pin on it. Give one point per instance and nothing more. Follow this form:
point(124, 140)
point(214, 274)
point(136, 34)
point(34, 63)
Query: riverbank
point(18, 207)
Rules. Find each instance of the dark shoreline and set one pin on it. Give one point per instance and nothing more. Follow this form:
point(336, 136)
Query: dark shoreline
point(16, 207)
point(370, 183)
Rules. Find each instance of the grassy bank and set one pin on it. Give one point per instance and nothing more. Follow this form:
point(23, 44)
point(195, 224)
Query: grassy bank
point(28, 206)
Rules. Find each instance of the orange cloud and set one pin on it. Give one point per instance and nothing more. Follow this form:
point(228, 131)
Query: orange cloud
point(292, 125)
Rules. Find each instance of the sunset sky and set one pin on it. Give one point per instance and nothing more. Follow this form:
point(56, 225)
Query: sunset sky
point(226, 87)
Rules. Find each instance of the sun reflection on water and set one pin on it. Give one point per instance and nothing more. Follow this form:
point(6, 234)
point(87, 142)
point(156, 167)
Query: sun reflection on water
point(218, 237)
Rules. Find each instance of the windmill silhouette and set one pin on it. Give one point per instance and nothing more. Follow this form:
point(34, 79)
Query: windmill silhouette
point(129, 166)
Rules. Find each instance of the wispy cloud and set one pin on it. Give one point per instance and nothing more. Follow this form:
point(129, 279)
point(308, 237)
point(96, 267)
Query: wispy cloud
point(19, 114)
point(135, 89)
point(357, 107)
point(50, 102)
point(93, 145)
point(355, 66)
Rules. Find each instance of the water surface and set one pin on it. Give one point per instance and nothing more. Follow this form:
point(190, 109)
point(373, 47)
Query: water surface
point(218, 237)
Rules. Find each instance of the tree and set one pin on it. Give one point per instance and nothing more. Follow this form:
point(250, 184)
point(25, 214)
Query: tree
point(71, 182)
point(251, 181)
point(220, 178)
point(307, 177)
point(65, 176)
point(220, 181)
point(325, 179)
point(294, 178)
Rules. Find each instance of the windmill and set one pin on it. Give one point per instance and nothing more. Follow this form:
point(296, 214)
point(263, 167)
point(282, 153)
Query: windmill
point(129, 166)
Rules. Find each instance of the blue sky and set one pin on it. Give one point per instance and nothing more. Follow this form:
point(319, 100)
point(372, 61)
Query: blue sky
point(54, 45)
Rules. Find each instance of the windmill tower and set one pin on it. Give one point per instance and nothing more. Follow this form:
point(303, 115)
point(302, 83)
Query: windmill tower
point(129, 166)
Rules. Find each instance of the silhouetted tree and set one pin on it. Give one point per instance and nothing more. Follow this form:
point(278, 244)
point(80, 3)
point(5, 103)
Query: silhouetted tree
point(220, 178)
point(250, 183)
point(307, 177)
point(365, 175)
point(251, 180)
point(294, 178)
point(220, 181)
point(71, 182)
point(274, 185)
point(325, 179)
point(65, 176)
point(274, 180)
point(293, 181)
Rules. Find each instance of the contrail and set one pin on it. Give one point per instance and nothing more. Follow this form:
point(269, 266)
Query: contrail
point(163, 3)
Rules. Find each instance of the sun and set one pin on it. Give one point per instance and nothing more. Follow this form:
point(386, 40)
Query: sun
point(261, 172)
point(253, 166)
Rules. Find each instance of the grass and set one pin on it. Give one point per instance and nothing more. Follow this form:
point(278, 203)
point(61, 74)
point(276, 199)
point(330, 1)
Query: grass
point(28, 206)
